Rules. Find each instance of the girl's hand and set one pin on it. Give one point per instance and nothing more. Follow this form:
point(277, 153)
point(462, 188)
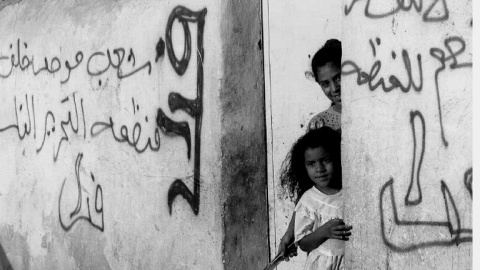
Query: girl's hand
point(283, 249)
point(337, 229)
point(316, 123)
point(333, 229)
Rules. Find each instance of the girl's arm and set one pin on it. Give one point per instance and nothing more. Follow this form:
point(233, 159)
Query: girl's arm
point(287, 239)
point(333, 229)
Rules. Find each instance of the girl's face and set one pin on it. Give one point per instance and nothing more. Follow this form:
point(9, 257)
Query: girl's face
point(329, 78)
point(320, 167)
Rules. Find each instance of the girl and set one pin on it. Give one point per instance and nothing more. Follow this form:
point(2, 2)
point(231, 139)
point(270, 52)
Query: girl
point(325, 65)
point(312, 172)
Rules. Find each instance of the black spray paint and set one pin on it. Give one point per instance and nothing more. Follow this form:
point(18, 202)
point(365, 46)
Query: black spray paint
point(389, 212)
point(177, 102)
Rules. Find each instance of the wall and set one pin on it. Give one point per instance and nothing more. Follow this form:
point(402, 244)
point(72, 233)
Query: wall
point(293, 32)
point(243, 145)
point(407, 140)
point(112, 140)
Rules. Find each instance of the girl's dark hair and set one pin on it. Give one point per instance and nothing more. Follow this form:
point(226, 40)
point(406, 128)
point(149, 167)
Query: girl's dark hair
point(294, 177)
point(330, 52)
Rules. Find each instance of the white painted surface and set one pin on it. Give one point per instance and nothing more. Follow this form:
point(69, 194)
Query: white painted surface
point(139, 232)
point(476, 133)
point(379, 141)
point(293, 32)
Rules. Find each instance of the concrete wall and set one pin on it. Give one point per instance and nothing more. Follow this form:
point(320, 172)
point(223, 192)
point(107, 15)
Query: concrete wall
point(113, 149)
point(243, 145)
point(407, 134)
point(293, 32)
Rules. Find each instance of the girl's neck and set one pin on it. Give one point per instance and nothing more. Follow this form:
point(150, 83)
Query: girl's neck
point(327, 190)
point(337, 108)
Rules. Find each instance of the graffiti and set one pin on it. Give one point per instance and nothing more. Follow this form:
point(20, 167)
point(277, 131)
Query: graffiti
point(437, 235)
point(467, 180)
point(131, 140)
point(120, 56)
point(69, 121)
point(18, 60)
point(378, 41)
point(349, 67)
point(439, 6)
point(28, 125)
point(415, 178)
point(68, 218)
point(81, 198)
point(439, 55)
point(169, 126)
point(63, 124)
point(78, 60)
point(159, 49)
point(394, 82)
point(176, 101)
point(27, 128)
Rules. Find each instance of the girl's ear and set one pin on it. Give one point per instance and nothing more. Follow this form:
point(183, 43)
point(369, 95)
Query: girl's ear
point(309, 75)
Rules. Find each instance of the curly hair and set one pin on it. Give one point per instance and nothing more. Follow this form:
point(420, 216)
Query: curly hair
point(294, 177)
point(330, 52)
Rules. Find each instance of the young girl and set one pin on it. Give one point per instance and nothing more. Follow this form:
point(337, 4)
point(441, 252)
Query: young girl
point(326, 64)
point(312, 172)
point(326, 68)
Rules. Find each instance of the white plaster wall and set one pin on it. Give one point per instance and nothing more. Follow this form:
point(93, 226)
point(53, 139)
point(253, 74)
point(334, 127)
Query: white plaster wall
point(383, 135)
point(293, 32)
point(131, 228)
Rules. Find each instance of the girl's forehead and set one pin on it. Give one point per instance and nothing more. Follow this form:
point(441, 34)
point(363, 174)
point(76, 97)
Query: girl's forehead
point(316, 152)
point(327, 70)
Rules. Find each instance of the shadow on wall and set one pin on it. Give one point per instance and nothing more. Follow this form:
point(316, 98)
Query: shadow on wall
point(5, 3)
point(4, 263)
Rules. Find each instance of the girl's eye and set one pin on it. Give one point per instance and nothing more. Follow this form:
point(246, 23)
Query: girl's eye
point(338, 79)
point(326, 160)
point(324, 84)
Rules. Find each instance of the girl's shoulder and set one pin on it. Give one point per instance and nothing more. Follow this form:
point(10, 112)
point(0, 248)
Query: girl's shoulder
point(313, 198)
point(329, 118)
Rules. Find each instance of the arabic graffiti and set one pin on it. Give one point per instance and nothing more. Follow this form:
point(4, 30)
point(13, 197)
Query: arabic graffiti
point(437, 235)
point(83, 210)
point(443, 56)
point(57, 127)
point(437, 11)
point(411, 73)
point(416, 166)
point(132, 140)
point(93, 66)
point(439, 55)
point(25, 125)
point(120, 55)
point(194, 108)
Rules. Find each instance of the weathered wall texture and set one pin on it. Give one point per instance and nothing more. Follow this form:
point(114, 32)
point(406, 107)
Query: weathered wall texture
point(407, 140)
point(244, 183)
point(111, 134)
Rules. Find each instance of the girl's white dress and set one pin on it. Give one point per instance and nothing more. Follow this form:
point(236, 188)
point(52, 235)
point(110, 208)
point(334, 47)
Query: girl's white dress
point(312, 211)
